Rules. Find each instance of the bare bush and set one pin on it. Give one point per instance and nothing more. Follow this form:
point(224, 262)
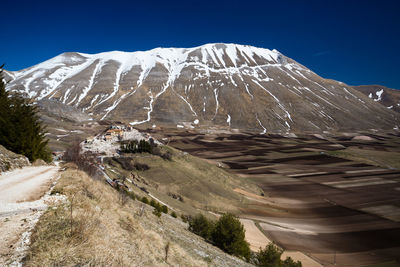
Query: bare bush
point(141, 211)
point(85, 162)
point(176, 196)
point(167, 156)
point(125, 162)
point(122, 197)
point(166, 251)
point(72, 154)
point(157, 151)
point(141, 166)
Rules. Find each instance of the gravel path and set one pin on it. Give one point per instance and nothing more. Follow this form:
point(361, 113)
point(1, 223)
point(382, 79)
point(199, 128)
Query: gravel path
point(22, 199)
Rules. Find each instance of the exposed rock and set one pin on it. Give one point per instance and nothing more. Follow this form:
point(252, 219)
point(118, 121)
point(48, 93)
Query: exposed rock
point(39, 162)
point(9, 160)
point(57, 109)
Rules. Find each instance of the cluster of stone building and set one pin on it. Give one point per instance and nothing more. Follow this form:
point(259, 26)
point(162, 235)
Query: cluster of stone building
point(115, 131)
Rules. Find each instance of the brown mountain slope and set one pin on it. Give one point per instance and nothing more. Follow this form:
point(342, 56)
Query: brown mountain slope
point(388, 97)
point(223, 85)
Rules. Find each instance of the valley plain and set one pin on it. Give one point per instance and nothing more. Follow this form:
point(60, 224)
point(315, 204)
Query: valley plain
point(334, 198)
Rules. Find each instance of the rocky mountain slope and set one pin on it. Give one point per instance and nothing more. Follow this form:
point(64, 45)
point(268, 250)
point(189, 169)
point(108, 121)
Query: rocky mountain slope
point(9, 160)
point(388, 97)
point(57, 109)
point(224, 85)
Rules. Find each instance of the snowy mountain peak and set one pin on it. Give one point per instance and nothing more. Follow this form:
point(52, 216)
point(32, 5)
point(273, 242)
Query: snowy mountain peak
point(256, 88)
point(213, 54)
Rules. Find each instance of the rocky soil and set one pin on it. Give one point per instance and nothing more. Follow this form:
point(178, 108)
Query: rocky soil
point(23, 199)
point(10, 161)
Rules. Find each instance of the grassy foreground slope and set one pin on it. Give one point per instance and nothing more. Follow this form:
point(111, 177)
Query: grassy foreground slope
point(96, 227)
point(203, 186)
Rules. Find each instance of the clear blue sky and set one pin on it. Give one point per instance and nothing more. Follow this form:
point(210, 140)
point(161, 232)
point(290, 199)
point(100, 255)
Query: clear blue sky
point(357, 42)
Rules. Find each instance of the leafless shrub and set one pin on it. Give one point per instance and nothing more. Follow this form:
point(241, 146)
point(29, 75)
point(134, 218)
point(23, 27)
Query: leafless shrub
point(166, 251)
point(141, 210)
point(141, 166)
point(72, 154)
point(175, 196)
point(85, 162)
point(89, 167)
point(125, 162)
point(122, 197)
point(71, 213)
point(167, 156)
point(157, 151)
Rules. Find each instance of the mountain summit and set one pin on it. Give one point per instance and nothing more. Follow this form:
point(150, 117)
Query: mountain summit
point(223, 85)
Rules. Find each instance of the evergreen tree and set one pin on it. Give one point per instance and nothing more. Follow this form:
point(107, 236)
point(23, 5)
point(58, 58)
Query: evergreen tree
point(289, 262)
point(20, 128)
point(229, 235)
point(134, 146)
point(144, 146)
point(6, 131)
point(201, 226)
point(270, 256)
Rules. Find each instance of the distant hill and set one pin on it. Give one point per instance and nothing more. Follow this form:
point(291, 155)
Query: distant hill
point(388, 97)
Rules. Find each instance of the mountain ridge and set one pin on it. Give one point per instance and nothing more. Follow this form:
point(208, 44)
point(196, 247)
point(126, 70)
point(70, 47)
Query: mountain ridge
point(222, 85)
point(388, 97)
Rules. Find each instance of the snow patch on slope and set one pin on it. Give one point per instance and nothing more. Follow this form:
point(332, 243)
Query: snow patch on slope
point(379, 95)
point(89, 87)
point(259, 122)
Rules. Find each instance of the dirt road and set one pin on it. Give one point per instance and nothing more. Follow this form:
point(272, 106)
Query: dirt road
point(258, 240)
point(22, 199)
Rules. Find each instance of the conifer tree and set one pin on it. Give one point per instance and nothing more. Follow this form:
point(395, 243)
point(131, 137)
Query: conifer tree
point(20, 128)
point(5, 122)
point(229, 235)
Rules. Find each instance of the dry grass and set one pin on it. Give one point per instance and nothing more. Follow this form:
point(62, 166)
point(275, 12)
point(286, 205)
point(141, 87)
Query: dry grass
point(202, 185)
point(94, 229)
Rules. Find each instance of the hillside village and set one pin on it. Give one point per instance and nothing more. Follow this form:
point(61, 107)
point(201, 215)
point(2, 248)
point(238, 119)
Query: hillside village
point(107, 142)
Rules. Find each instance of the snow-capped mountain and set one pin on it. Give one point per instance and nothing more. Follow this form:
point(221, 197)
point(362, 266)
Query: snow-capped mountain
point(390, 98)
point(226, 85)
